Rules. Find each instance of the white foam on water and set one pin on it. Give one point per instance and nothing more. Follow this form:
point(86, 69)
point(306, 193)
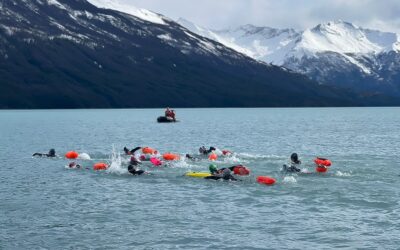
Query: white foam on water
point(259, 156)
point(115, 166)
point(84, 156)
point(305, 171)
point(179, 164)
point(289, 179)
point(67, 167)
point(233, 158)
point(218, 152)
point(339, 173)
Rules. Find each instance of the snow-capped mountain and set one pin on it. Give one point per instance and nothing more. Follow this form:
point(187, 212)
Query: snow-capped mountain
point(130, 9)
point(71, 53)
point(338, 53)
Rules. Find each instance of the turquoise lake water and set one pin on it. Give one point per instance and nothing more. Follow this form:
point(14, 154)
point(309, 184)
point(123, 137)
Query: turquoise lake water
point(45, 205)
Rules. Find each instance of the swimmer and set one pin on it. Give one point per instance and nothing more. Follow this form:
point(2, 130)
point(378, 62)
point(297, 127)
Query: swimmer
point(74, 165)
point(294, 164)
point(52, 153)
point(204, 151)
point(223, 173)
point(131, 152)
point(191, 157)
point(133, 170)
point(134, 161)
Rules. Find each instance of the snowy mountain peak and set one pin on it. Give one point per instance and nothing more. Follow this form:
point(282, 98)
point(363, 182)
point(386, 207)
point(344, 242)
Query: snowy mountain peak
point(252, 30)
point(326, 52)
point(345, 37)
point(129, 9)
point(335, 25)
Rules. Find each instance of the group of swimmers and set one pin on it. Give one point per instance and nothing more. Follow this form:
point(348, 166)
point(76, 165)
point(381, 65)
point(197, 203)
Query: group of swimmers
point(215, 173)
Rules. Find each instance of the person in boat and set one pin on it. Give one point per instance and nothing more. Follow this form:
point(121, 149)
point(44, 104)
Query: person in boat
point(131, 152)
point(204, 151)
point(132, 168)
point(51, 153)
point(223, 173)
point(170, 113)
point(167, 112)
point(294, 164)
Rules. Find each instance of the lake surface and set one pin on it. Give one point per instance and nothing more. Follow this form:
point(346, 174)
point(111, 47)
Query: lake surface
point(44, 204)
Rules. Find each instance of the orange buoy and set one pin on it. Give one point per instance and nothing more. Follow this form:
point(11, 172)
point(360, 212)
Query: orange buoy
point(213, 157)
point(322, 162)
point(100, 166)
point(71, 155)
point(241, 170)
point(266, 180)
point(148, 150)
point(321, 169)
point(171, 157)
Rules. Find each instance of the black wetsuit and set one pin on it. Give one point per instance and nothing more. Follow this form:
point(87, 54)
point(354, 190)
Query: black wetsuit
point(134, 171)
point(52, 153)
point(131, 152)
point(291, 169)
point(222, 174)
point(205, 151)
point(226, 178)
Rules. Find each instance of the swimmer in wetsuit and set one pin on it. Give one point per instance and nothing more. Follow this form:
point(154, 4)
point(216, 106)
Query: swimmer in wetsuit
point(132, 168)
point(223, 173)
point(131, 152)
point(204, 151)
point(294, 164)
point(52, 153)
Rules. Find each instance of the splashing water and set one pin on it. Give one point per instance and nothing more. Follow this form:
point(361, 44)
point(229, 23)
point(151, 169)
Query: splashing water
point(289, 179)
point(115, 166)
point(305, 171)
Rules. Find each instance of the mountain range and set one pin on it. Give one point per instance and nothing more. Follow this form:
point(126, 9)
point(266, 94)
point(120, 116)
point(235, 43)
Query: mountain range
point(335, 53)
point(73, 54)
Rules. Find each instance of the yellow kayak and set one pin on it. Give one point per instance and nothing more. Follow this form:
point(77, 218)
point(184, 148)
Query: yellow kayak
point(197, 174)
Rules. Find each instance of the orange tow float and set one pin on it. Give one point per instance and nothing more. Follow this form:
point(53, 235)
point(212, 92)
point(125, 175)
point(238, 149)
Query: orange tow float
point(100, 166)
point(266, 180)
point(71, 155)
point(322, 164)
point(213, 157)
point(171, 157)
point(148, 150)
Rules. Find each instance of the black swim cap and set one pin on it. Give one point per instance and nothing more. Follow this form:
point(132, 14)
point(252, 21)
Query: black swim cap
point(294, 157)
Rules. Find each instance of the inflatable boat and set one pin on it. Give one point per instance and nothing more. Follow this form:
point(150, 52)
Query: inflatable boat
point(165, 119)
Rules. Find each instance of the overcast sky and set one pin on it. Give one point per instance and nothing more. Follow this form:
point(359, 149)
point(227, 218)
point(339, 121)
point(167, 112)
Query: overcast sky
point(298, 14)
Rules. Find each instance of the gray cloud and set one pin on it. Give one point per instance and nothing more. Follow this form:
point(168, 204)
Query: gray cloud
point(298, 14)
